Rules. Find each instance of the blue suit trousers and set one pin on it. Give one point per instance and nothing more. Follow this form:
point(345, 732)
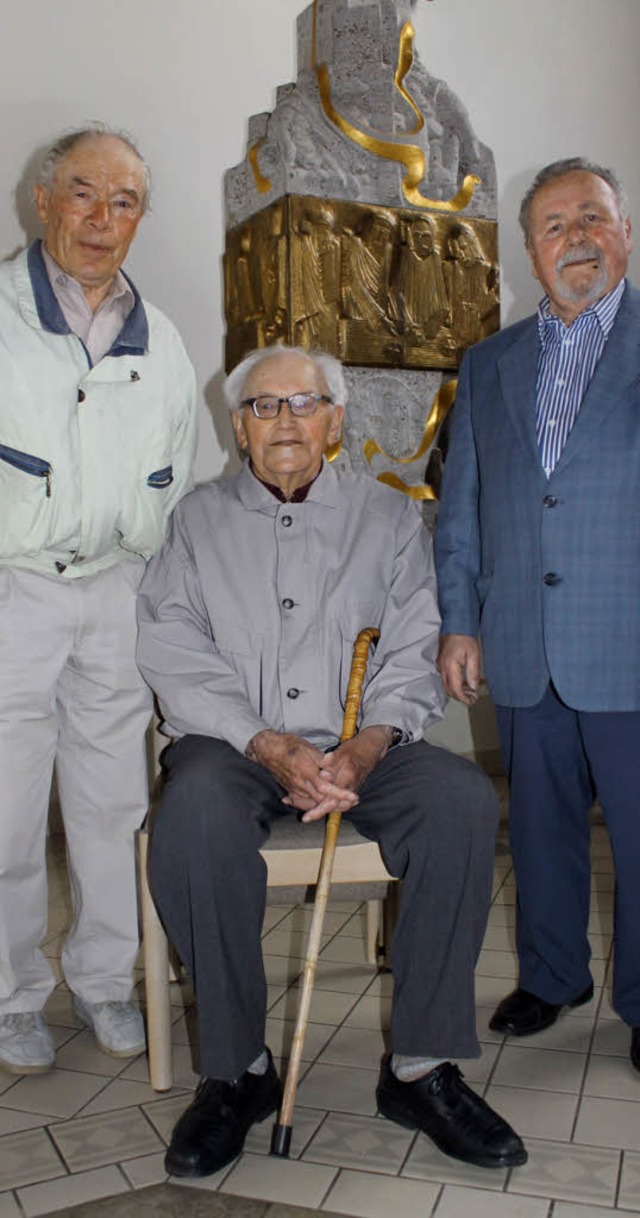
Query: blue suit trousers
point(556, 758)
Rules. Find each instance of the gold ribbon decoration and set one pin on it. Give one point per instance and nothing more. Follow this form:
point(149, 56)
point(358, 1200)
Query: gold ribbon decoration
point(262, 184)
point(440, 407)
point(409, 155)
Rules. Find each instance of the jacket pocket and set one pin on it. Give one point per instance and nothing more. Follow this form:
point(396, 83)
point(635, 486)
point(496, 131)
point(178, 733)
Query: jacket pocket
point(28, 464)
point(161, 478)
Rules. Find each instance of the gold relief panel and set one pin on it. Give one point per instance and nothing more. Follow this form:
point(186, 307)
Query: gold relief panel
point(388, 287)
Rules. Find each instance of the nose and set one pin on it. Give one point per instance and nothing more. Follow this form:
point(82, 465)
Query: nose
point(100, 215)
point(576, 231)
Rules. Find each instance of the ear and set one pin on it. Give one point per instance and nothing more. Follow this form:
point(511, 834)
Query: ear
point(532, 263)
point(41, 195)
point(239, 429)
point(335, 427)
point(628, 234)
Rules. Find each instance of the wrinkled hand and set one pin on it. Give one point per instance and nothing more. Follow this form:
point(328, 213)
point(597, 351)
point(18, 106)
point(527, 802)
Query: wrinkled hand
point(459, 666)
point(347, 767)
point(303, 772)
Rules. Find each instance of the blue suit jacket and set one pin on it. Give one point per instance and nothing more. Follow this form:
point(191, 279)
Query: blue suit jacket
point(503, 526)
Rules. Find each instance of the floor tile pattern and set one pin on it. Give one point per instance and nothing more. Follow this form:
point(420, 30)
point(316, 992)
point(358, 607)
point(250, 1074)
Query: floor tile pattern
point(94, 1128)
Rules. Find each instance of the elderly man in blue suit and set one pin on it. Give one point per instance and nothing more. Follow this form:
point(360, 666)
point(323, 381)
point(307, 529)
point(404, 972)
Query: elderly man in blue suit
point(538, 554)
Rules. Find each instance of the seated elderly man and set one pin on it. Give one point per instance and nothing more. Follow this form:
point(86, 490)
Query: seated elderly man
point(247, 618)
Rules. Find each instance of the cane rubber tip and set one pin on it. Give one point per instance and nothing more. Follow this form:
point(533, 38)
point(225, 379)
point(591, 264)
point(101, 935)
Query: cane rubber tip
point(281, 1141)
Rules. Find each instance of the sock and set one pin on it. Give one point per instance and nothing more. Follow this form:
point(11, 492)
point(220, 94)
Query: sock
point(261, 1064)
point(409, 1069)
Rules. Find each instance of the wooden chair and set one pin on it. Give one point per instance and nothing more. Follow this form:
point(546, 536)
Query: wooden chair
point(358, 872)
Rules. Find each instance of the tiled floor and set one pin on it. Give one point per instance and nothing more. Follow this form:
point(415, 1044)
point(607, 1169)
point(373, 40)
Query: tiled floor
point(93, 1127)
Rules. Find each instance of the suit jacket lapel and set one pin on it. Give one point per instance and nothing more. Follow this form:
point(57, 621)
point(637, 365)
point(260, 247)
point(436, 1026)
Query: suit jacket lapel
point(616, 371)
point(518, 371)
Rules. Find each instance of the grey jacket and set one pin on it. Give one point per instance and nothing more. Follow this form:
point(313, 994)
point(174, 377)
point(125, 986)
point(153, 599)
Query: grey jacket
point(249, 612)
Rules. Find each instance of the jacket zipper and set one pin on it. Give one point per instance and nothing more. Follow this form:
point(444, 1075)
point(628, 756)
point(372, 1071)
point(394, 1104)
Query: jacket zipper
point(28, 464)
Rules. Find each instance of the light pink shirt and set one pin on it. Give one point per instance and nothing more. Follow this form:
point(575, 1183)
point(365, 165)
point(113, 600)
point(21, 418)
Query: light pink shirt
point(98, 330)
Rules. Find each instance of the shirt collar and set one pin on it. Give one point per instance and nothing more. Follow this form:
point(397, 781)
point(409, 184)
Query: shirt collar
point(604, 311)
point(133, 338)
point(299, 495)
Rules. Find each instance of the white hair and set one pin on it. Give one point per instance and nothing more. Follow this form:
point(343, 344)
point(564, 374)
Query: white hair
point(330, 369)
point(56, 153)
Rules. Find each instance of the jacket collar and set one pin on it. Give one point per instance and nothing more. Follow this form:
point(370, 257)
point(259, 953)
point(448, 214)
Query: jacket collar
point(256, 497)
point(133, 338)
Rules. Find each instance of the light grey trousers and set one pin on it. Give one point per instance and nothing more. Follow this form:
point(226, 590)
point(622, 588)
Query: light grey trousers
point(434, 816)
point(70, 692)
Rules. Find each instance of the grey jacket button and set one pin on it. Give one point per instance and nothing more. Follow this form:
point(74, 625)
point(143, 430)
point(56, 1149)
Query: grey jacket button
point(286, 521)
point(550, 579)
point(287, 603)
point(293, 692)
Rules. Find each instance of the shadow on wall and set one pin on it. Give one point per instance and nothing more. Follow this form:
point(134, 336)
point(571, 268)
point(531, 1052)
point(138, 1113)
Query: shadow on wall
point(516, 270)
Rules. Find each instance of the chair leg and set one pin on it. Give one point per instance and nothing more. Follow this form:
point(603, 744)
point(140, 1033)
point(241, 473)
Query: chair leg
point(156, 971)
point(374, 928)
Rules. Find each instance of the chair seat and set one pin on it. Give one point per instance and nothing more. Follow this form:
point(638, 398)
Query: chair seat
point(292, 855)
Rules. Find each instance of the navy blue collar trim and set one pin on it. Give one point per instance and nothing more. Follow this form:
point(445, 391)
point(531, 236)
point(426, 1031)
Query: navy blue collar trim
point(133, 338)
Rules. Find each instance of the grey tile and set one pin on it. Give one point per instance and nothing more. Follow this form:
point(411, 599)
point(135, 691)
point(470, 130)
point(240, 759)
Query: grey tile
point(282, 1180)
point(26, 1158)
point(363, 1047)
point(61, 1093)
point(9, 1206)
point(544, 1069)
point(535, 1114)
point(360, 1142)
point(71, 1191)
point(147, 1170)
point(99, 1140)
point(373, 1196)
point(341, 1088)
point(426, 1162)
point(568, 1172)
point(614, 1123)
point(629, 1196)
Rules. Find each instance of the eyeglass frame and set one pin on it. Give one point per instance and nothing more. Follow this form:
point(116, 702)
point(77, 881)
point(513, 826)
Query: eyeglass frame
point(318, 398)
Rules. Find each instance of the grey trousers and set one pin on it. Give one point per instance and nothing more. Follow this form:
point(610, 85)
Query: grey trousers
point(434, 816)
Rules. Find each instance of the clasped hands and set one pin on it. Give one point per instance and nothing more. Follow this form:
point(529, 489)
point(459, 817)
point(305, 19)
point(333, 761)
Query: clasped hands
point(319, 783)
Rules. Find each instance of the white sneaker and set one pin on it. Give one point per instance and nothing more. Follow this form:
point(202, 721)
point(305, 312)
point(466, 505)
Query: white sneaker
point(117, 1026)
point(26, 1045)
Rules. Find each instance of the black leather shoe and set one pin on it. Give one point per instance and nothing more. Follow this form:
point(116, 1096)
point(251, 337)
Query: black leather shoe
point(635, 1047)
point(459, 1122)
point(522, 1013)
point(212, 1131)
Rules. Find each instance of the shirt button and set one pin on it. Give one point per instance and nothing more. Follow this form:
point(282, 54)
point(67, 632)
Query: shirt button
point(81, 395)
point(287, 603)
point(550, 501)
point(550, 579)
point(286, 521)
point(293, 693)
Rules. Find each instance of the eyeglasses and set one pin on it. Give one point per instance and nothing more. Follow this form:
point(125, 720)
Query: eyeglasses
point(302, 405)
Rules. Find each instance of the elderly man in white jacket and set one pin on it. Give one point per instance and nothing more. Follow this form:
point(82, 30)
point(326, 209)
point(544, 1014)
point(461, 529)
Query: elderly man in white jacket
point(96, 444)
point(248, 616)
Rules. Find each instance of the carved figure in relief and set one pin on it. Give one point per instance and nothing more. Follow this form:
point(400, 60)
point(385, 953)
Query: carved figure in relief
point(473, 287)
point(420, 291)
point(315, 279)
point(367, 253)
point(272, 269)
point(245, 297)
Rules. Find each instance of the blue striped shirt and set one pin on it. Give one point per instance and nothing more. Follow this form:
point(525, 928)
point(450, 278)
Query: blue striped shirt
point(566, 363)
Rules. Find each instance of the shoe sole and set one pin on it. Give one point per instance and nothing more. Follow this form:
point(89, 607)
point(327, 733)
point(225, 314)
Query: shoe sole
point(516, 1159)
point(12, 1068)
point(195, 1174)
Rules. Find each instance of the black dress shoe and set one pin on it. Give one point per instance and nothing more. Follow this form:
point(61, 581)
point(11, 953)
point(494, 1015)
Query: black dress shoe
point(212, 1131)
point(522, 1013)
point(454, 1117)
point(635, 1047)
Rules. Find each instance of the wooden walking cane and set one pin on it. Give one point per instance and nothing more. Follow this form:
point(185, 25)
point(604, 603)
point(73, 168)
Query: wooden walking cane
point(281, 1139)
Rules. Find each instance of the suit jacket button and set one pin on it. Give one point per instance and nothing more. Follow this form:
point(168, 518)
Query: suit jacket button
point(286, 521)
point(287, 603)
point(550, 501)
point(293, 692)
point(550, 579)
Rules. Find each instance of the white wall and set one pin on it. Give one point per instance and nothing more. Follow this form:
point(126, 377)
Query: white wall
point(541, 79)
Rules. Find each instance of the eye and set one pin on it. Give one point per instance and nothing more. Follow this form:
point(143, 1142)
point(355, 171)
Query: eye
point(123, 204)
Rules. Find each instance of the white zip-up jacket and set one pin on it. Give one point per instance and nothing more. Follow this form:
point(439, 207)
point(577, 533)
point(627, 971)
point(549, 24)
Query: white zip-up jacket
point(108, 446)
